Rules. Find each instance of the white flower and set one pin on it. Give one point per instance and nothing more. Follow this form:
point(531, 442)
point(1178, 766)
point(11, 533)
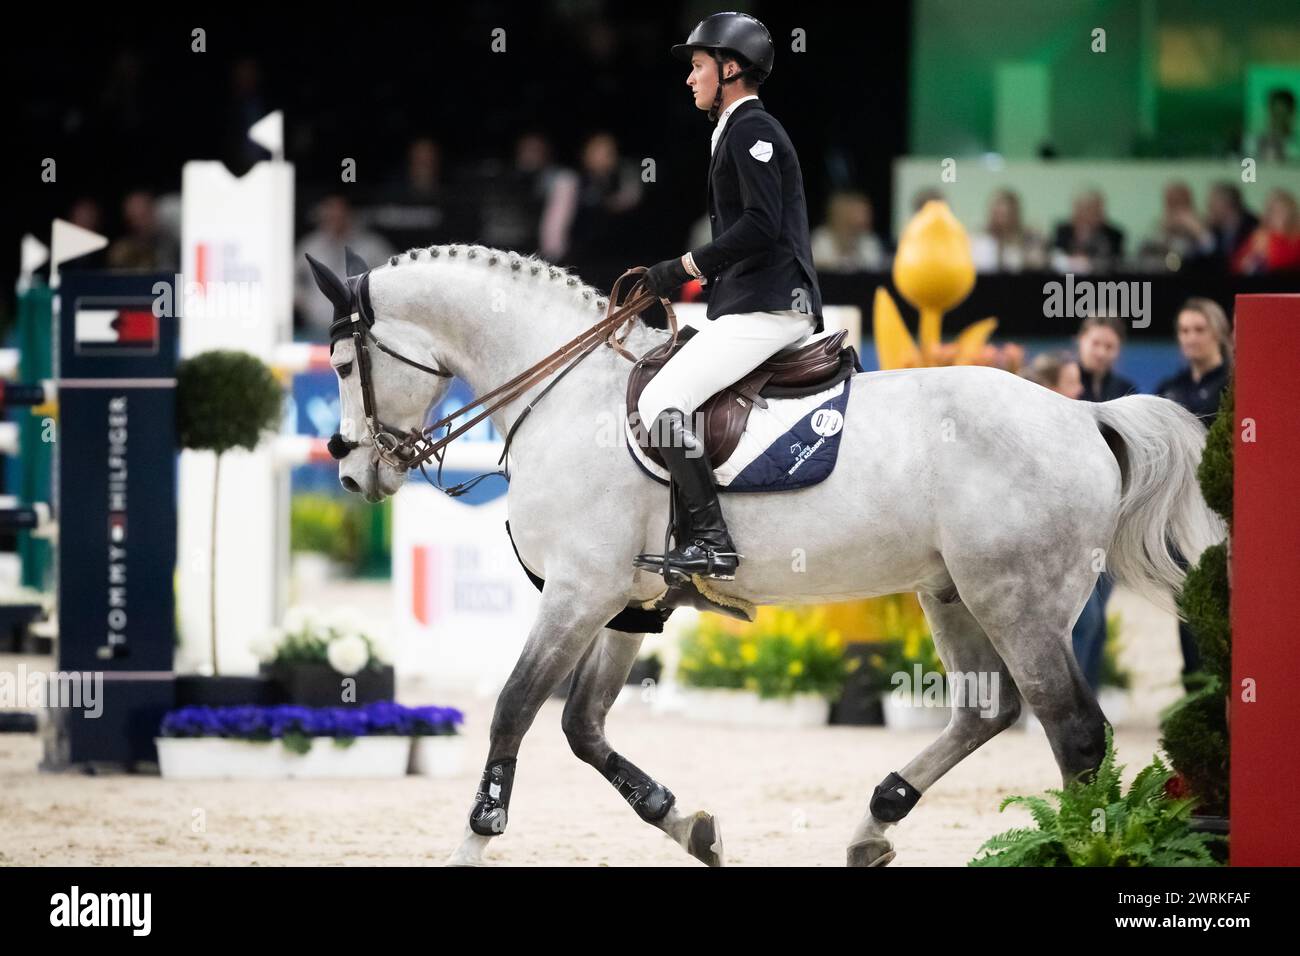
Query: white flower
point(382, 650)
point(345, 620)
point(268, 645)
point(298, 619)
point(348, 654)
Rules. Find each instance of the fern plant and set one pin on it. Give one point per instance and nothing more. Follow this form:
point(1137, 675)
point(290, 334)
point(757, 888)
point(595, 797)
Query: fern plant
point(1094, 824)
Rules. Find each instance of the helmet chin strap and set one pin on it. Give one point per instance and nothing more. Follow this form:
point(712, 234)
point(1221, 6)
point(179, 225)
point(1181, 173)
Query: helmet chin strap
point(715, 109)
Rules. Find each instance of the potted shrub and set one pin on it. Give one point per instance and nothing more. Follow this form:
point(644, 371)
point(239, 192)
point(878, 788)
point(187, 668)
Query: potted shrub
point(782, 670)
point(1144, 827)
point(437, 747)
point(1194, 730)
point(286, 742)
point(224, 399)
point(316, 659)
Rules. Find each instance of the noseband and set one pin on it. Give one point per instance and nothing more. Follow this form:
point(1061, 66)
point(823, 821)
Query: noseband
point(405, 450)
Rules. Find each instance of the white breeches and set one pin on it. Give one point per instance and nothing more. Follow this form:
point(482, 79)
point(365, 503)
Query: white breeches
point(723, 351)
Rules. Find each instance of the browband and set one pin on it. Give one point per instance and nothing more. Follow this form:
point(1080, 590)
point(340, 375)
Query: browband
point(341, 327)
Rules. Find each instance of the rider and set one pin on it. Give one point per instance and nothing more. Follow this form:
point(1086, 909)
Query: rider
point(764, 295)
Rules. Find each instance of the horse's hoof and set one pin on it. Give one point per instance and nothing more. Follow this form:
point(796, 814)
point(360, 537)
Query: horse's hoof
point(871, 853)
point(704, 840)
point(461, 858)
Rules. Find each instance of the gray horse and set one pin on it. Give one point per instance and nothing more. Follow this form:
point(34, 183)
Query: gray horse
point(996, 500)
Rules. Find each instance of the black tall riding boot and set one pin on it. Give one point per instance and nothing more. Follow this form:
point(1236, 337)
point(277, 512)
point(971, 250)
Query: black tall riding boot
point(707, 548)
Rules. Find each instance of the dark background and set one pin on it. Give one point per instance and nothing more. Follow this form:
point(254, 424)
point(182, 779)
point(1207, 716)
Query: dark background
point(121, 102)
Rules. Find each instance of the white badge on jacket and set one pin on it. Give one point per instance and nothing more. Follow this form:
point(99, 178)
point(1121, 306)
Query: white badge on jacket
point(761, 150)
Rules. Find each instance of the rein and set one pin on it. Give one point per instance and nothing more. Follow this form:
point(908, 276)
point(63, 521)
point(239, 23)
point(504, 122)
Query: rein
point(418, 447)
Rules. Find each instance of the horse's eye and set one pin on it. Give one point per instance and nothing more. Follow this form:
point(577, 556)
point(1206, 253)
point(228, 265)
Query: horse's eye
point(344, 370)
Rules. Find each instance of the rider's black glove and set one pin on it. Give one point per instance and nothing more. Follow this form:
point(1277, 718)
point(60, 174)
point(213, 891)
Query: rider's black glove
point(666, 277)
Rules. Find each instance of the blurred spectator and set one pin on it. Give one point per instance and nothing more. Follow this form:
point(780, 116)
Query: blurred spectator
point(1275, 245)
point(1006, 245)
point(86, 213)
point(335, 229)
point(1228, 224)
point(608, 190)
point(146, 244)
point(1057, 371)
point(531, 206)
point(1087, 243)
point(1205, 339)
point(1176, 236)
point(846, 242)
point(1274, 144)
point(1100, 340)
point(415, 209)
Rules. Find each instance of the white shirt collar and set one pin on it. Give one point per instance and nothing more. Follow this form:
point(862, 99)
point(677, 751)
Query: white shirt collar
point(722, 120)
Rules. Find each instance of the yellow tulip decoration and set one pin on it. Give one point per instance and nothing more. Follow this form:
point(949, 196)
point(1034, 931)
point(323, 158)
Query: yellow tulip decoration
point(934, 271)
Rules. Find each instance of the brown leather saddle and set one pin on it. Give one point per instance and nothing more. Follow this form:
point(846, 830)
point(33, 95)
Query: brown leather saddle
point(790, 373)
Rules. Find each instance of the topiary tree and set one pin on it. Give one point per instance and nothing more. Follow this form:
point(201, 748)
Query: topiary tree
point(1215, 470)
point(1194, 731)
point(224, 399)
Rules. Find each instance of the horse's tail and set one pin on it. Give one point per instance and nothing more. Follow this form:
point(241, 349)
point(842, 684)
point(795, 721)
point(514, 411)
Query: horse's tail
point(1158, 444)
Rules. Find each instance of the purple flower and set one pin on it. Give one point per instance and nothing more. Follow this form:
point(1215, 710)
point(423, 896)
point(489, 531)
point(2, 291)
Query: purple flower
point(383, 718)
point(435, 721)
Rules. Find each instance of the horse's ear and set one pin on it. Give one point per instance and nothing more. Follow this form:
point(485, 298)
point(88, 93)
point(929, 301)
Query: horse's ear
point(355, 264)
point(334, 288)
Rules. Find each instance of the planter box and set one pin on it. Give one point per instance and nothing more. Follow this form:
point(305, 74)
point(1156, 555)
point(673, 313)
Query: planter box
point(645, 668)
point(319, 685)
point(1211, 824)
point(746, 708)
point(197, 690)
point(859, 710)
point(310, 569)
point(860, 702)
point(218, 758)
point(900, 715)
point(440, 756)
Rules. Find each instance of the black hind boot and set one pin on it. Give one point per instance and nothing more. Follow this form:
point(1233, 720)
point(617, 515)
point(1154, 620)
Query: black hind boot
point(708, 549)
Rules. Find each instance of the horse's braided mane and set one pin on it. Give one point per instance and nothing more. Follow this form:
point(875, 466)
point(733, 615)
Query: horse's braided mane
point(489, 257)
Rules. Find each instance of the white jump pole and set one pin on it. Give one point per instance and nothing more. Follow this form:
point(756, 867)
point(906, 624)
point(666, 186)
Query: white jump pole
point(237, 275)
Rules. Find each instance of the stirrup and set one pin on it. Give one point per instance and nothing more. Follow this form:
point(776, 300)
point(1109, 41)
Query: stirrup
point(664, 565)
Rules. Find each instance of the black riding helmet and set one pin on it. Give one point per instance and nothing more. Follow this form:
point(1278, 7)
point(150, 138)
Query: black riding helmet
point(734, 33)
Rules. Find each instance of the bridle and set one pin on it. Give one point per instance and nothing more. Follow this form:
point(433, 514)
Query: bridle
point(415, 447)
point(392, 445)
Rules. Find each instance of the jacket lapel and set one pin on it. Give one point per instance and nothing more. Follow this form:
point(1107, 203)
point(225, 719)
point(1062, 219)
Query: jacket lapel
point(731, 124)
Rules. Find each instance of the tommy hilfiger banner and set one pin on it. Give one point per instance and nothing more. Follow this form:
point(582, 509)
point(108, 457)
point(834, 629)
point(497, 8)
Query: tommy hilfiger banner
point(111, 328)
point(116, 507)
